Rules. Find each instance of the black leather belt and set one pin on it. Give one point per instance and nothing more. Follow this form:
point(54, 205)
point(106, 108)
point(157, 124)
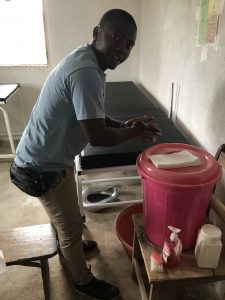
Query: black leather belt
point(57, 174)
point(32, 182)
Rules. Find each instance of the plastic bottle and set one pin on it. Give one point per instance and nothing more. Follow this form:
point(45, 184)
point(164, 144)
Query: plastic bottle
point(172, 249)
point(208, 246)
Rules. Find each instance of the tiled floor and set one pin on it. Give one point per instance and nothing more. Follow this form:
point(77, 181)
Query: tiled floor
point(110, 262)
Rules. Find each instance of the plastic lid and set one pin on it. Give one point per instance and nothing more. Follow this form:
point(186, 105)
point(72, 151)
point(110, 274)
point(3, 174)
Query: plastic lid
point(210, 231)
point(208, 172)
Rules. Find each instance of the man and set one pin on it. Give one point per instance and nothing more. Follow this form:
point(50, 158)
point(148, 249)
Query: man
point(68, 114)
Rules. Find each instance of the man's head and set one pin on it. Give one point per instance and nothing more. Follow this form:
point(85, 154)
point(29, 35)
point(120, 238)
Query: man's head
point(114, 38)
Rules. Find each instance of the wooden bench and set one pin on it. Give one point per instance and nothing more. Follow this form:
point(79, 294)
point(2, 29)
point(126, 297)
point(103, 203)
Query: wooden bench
point(30, 246)
point(152, 284)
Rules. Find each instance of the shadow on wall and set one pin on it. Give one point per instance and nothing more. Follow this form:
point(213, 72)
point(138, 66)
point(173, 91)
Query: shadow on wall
point(215, 117)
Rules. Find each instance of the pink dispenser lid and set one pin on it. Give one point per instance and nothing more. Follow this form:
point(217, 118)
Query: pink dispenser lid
point(208, 172)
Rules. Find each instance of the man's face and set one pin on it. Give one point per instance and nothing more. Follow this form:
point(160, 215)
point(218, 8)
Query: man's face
point(114, 42)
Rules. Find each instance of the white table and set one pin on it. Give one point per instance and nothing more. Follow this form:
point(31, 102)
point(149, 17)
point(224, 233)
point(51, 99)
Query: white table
point(6, 93)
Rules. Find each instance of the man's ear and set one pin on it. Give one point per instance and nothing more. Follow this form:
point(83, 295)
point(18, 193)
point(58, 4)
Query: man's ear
point(95, 32)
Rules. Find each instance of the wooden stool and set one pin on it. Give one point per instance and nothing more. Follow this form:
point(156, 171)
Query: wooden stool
point(30, 246)
point(151, 284)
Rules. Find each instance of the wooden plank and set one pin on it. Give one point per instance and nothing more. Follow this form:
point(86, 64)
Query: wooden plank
point(28, 242)
point(220, 270)
point(155, 292)
point(218, 207)
point(136, 253)
point(140, 279)
point(221, 159)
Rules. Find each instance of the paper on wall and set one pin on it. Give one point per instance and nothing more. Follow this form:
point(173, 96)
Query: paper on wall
point(208, 22)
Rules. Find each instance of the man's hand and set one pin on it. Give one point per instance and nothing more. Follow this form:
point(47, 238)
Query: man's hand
point(149, 130)
point(98, 134)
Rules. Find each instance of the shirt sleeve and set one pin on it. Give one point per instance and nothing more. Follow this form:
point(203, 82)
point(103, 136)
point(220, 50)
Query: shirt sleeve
point(87, 92)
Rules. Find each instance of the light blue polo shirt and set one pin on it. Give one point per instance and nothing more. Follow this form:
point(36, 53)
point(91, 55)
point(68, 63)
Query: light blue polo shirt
point(73, 91)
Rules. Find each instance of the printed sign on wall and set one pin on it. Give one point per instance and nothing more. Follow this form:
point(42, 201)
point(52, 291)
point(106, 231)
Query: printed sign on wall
point(208, 22)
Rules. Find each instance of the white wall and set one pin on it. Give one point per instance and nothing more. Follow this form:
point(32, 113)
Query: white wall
point(68, 25)
point(169, 54)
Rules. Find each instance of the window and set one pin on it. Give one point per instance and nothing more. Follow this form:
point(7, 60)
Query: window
point(22, 33)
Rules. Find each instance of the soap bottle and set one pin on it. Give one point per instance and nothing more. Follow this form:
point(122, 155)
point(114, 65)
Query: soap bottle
point(172, 249)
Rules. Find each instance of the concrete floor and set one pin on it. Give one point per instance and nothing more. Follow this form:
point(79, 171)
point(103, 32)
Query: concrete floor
point(109, 263)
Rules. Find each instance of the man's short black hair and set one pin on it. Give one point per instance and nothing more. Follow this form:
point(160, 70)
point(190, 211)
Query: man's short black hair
point(116, 13)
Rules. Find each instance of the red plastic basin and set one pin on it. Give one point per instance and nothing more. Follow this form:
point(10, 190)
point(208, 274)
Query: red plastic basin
point(125, 227)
